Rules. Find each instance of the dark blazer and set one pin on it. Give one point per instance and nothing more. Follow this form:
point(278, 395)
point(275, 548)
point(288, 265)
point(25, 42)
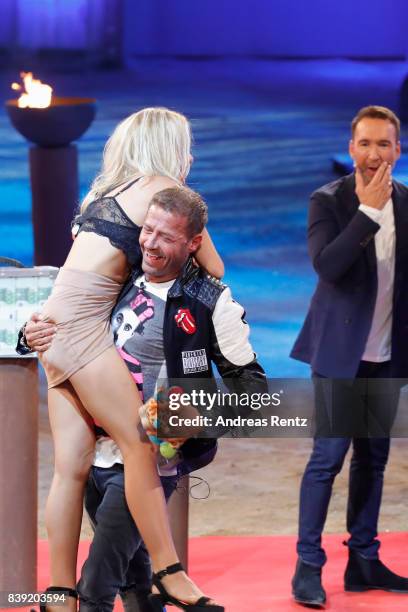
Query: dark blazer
point(342, 250)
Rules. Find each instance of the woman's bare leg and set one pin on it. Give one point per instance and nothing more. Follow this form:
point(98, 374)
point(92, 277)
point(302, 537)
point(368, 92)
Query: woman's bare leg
point(74, 443)
point(109, 394)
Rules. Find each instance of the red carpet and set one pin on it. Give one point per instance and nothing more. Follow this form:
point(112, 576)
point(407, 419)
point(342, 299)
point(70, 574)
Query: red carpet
point(253, 574)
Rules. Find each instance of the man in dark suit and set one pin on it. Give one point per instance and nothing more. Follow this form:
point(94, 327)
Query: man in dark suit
point(356, 327)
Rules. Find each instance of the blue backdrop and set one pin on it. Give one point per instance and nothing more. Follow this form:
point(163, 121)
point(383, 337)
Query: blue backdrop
point(292, 28)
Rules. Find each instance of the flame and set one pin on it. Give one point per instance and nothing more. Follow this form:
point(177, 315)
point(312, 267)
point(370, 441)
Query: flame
point(36, 95)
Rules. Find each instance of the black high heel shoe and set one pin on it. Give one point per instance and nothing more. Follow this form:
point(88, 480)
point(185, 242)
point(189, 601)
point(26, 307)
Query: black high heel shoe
point(158, 601)
point(56, 589)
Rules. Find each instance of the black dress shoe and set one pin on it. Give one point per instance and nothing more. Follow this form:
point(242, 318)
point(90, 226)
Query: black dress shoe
point(307, 585)
point(365, 574)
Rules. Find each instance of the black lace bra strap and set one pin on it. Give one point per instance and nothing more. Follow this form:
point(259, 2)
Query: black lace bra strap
point(127, 186)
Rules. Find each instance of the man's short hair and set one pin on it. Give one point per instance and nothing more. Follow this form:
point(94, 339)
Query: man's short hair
point(376, 112)
point(186, 203)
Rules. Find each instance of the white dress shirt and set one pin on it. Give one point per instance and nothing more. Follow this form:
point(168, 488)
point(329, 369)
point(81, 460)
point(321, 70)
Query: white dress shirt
point(378, 346)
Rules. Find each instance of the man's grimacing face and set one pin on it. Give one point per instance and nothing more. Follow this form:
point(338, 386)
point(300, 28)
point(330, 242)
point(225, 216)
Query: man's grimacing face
point(165, 244)
point(374, 142)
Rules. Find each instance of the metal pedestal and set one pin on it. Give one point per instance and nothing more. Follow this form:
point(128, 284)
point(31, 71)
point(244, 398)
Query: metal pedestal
point(18, 475)
point(178, 511)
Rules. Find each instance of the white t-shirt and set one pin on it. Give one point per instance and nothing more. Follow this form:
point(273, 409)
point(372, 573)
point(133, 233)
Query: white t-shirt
point(378, 346)
point(140, 327)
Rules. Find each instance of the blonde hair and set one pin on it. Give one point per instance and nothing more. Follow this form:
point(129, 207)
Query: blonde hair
point(151, 142)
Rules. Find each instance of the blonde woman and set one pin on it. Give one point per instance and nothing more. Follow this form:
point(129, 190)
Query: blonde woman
point(149, 151)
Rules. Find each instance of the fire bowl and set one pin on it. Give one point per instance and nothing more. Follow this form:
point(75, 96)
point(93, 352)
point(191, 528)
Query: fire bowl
point(65, 120)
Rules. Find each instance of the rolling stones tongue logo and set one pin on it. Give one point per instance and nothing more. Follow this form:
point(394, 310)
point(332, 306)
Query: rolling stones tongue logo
point(185, 321)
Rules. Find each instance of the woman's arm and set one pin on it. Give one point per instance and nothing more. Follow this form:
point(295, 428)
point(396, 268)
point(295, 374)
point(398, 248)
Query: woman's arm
point(208, 258)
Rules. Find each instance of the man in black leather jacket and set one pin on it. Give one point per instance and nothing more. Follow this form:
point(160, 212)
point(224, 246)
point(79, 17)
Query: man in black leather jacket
point(172, 321)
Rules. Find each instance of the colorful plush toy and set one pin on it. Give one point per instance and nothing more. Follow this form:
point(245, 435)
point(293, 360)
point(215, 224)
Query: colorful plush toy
point(154, 412)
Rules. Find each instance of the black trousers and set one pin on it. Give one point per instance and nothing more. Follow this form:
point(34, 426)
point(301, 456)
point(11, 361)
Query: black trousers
point(118, 561)
point(348, 412)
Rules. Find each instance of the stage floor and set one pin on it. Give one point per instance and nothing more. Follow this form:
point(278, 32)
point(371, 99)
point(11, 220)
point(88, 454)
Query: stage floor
point(253, 574)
